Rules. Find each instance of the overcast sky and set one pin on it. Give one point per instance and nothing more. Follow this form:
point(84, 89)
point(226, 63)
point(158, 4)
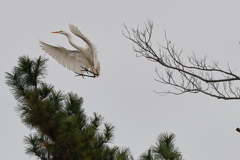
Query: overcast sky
point(124, 92)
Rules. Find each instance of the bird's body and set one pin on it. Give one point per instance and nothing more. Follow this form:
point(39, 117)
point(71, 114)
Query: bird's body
point(82, 60)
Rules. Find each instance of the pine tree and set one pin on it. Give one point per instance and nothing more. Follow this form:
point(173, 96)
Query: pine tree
point(62, 130)
point(164, 149)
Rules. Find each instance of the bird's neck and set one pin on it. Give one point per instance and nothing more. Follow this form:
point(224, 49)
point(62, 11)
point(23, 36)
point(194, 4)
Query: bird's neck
point(82, 49)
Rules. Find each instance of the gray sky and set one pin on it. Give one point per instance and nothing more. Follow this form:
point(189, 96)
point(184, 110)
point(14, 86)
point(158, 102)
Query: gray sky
point(123, 94)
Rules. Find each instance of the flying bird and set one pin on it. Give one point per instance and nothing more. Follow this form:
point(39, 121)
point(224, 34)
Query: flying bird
point(81, 61)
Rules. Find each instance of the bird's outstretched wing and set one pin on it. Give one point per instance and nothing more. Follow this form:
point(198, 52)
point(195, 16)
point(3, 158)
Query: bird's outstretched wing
point(92, 47)
point(72, 60)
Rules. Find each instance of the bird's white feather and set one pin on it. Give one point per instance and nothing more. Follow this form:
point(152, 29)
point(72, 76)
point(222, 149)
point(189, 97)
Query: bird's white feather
point(73, 60)
point(92, 55)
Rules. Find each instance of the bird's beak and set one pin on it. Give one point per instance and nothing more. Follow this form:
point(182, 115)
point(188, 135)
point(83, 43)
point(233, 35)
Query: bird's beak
point(56, 32)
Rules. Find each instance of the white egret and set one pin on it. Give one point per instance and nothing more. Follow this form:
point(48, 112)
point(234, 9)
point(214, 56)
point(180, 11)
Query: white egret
point(83, 60)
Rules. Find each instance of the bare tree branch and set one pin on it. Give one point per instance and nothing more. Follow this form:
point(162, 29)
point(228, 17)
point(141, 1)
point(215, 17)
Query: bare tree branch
point(195, 77)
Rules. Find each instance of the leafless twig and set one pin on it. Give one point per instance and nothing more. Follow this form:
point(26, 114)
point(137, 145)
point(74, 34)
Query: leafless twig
point(195, 77)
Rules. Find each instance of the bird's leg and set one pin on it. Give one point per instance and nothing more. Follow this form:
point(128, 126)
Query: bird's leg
point(87, 75)
point(92, 74)
point(86, 70)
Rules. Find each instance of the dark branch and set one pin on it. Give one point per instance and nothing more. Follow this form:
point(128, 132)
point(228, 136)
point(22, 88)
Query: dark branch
point(89, 73)
point(195, 77)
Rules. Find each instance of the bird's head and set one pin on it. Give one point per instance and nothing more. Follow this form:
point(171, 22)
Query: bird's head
point(61, 32)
